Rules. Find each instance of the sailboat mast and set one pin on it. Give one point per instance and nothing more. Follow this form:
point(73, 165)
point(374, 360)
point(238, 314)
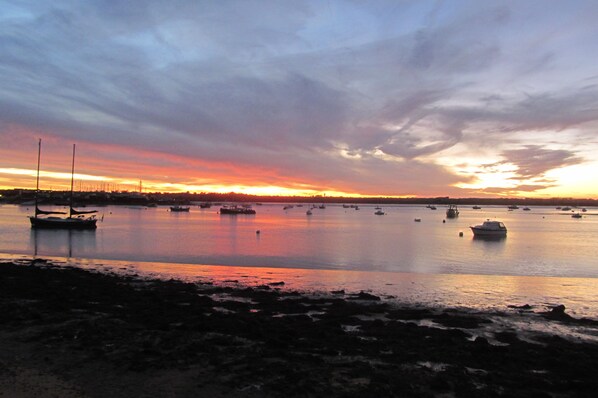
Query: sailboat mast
point(72, 183)
point(39, 151)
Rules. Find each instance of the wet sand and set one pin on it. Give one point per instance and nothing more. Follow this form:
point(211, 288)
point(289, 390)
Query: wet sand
point(69, 332)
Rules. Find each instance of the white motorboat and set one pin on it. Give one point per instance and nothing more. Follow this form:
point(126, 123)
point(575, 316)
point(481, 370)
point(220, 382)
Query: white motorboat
point(490, 229)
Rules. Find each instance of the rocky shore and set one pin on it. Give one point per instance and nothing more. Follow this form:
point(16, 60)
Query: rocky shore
point(68, 332)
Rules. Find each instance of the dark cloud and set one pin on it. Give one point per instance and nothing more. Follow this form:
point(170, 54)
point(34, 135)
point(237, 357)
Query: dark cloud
point(534, 161)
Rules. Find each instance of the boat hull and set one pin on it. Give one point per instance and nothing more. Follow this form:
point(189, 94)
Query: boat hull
point(236, 211)
point(452, 214)
point(488, 233)
point(63, 223)
point(179, 209)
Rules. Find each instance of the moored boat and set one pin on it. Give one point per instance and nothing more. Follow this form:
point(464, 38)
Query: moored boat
point(490, 228)
point(234, 210)
point(452, 212)
point(76, 218)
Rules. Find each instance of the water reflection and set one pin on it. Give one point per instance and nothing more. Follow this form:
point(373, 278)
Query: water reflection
point(500, 239)
point(62, 242)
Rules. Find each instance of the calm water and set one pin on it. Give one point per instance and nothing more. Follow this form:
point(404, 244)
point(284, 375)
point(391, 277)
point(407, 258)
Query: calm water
point(426, 261)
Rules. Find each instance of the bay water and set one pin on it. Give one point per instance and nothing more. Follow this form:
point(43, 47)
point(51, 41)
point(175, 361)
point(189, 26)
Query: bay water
point(547, 258)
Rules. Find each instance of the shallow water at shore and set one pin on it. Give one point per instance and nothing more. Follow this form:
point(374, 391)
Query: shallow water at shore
point(476, 292)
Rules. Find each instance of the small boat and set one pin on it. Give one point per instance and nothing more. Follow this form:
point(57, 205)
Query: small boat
point(418, 220)
point(452, 212)
point(322, 206)
point(179, 208)
point(346, 206)
point(489, 228)
point(76, 218)
point(432, 207)
point(526, 209)
point(566, 208)
point(513, 207)
point(476, 207)
point(234, 210)
point(288, 207)
point(205, 205)
point(356, 207)
point(309, 212)
point(584, 210)
point(379, 213)
point(576, 215)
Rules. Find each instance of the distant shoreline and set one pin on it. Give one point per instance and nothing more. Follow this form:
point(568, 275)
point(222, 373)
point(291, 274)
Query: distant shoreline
point(73, 333)
point(23, 196)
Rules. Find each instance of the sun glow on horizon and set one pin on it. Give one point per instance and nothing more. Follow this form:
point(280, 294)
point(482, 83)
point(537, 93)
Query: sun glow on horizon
point(89, 182)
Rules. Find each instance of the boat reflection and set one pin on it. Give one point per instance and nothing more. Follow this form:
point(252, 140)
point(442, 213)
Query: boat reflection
point(62, 242)
point(485, 238)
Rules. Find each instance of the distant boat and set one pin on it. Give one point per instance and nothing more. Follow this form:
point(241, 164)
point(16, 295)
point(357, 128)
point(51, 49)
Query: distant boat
point(356, 207)
point(234, 210)
point(584, 210)
point(452, 212)
point(308, 212)
point(566, 208)
point(205, 205)
point(489, 228)
point(476, 207)
point(417, 220)
point(576, 215)
point(431, 207)
point(179, 209)
point(513, 207)
point(379, 213)
point(288, 207)
point(345, 206)
point(322, 206)
point(76, 218)
point(526, 209)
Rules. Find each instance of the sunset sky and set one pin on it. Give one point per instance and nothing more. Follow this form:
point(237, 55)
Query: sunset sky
point(383, 98)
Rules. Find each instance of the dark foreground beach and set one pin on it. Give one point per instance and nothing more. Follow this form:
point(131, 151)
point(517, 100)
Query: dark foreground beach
point(68, 332)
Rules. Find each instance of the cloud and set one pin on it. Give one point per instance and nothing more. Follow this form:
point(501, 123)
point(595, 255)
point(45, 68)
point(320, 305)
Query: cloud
point(355, 97)
point(533, 161)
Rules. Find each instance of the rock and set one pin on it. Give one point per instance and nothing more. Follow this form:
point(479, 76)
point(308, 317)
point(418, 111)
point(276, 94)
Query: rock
point(557, 313)
point(365, 296)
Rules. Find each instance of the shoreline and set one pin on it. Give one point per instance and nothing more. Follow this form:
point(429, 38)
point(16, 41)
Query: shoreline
point(88, 334)
point(493, 292)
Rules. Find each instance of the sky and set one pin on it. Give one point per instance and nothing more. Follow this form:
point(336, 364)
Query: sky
point(358, 98)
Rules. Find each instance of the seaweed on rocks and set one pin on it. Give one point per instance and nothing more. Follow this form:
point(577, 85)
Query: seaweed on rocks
point(110, 335)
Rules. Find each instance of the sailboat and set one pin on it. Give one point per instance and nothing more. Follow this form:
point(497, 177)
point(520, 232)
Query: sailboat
point(76, 219)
